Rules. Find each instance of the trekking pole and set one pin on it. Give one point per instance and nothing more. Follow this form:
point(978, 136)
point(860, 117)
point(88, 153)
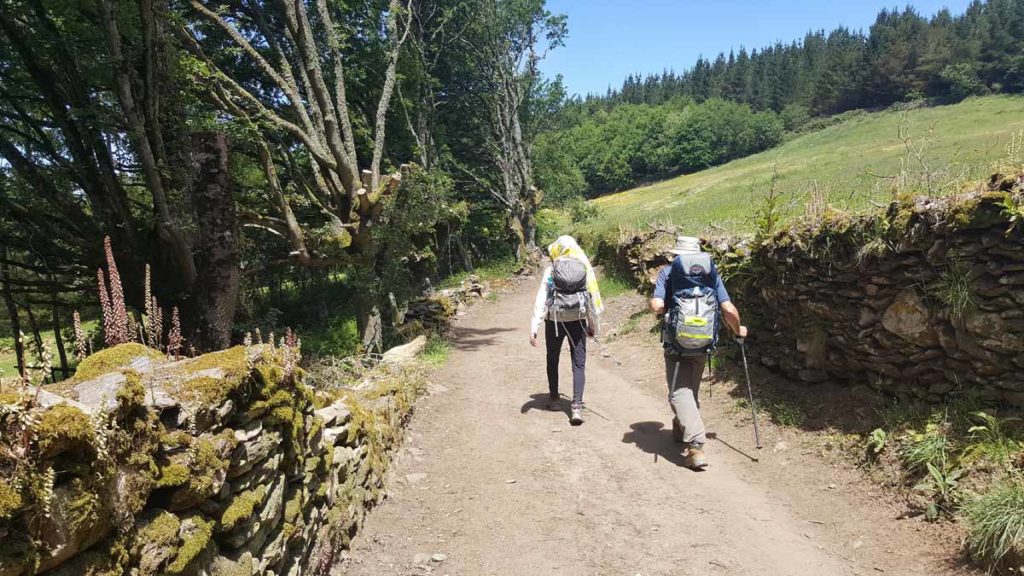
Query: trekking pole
point(750, 393)
point(606, 351)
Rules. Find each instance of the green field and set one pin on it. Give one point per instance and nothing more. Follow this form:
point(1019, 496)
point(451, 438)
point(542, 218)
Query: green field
point(846, 162)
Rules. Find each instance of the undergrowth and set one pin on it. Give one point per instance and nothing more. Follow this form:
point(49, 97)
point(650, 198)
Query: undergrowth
point(960, 462)
point(613, 283)
point(437, 351)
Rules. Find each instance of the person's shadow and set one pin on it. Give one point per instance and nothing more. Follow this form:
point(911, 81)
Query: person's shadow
point(540, 402)
point(654, 438)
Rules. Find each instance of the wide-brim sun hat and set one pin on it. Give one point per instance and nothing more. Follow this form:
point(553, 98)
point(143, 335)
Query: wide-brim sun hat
point(686, 245)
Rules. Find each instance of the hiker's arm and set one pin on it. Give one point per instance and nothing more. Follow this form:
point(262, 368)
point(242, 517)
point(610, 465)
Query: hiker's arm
point(731, 315)
point(660, 290)
point(540, 307)
point(657, 306)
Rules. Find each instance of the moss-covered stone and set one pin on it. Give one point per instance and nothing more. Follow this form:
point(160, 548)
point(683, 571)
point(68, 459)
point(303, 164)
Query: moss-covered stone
point(195, 534)
point(113, 360)
point(10, 501)
point(175, 439)
point(131, 394)
point(63, 427)
point(242, 507)
point(157, 541)
point(83, 508)
point(199, 472)
point(172, 475)
point(233, 363)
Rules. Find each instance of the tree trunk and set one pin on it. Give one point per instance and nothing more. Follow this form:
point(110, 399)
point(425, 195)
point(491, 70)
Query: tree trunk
point(371, 328)
point(217, 246)
point(12, 312)
point(64, 369)
point(37, 338)
point(464, 253)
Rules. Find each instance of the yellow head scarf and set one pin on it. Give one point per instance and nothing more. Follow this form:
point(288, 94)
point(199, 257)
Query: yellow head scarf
point(566, 247)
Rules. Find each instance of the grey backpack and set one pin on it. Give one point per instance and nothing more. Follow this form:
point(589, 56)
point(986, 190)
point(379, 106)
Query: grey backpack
point(567, 294)
point(695, 313)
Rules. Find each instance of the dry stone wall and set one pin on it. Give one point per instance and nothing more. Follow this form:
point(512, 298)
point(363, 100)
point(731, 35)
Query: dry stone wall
point(923, 301)
point(225, 464)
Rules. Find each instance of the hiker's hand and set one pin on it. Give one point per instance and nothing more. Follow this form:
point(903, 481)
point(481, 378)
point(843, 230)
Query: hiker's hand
point(742, 333)
point(590, 331)
point(533, 340)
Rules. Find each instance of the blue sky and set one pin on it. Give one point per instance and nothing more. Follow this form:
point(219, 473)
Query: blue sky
point(609, 39)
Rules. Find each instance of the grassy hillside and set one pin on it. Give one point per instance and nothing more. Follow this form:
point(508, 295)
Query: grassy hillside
point(844, 162)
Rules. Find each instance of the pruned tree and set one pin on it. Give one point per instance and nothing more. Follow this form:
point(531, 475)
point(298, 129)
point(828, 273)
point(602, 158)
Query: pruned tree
point(509, 39)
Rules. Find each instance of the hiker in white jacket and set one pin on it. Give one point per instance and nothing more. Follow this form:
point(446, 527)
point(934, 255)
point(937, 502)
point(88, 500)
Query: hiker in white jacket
point(568, 304)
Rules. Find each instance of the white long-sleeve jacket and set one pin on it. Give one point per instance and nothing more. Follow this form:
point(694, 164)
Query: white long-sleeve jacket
point(540, 306)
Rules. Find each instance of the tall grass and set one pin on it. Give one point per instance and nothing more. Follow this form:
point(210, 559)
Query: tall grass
point(437, 351)
point(995, 523)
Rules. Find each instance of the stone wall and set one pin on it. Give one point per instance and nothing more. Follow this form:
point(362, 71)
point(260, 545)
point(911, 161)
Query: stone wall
point(921, 301)
point(225, 464)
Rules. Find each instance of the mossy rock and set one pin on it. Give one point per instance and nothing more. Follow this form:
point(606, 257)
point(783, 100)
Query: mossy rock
point(64, 428)
point(156, 541)
point(198, 473)
point(242, 507)
point(131, 355)
point(10, 501)
point(196, 536)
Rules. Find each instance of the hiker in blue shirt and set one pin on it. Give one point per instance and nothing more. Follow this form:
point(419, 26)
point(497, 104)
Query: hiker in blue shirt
point(683, 372)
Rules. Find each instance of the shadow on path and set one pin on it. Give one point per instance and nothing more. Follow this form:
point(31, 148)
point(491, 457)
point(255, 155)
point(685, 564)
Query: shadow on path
point(715, 437)
point(654, 438)
point(540, 402)
point(471, 339)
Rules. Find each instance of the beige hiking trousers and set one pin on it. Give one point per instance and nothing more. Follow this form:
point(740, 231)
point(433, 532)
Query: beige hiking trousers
point(687, 425)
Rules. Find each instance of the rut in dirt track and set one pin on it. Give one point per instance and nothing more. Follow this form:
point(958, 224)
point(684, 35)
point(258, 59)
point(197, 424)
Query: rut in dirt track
point(499, 485)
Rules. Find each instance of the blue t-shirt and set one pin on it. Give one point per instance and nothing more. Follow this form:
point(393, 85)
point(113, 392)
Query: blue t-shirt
point(663, 286)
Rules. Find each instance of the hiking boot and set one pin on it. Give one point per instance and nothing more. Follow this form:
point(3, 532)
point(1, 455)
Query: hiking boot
point(553, 401)
point(693, 457)
point(577, 414)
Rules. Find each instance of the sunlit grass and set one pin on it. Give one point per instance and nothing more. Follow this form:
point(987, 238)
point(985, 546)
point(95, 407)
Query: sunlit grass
point(437, 351)
point(843, 161)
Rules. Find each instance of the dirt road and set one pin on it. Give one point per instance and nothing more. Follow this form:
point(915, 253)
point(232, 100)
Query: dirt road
point(489, 482)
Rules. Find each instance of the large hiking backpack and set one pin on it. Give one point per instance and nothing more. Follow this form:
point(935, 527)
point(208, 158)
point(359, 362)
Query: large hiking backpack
point(694, 315)
point(568, 296)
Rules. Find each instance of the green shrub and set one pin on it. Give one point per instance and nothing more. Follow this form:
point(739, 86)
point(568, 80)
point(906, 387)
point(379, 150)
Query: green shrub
point(340, 337)
point(995, 523)
point(994, 439)
point(581, 211)
point(930, 446)
point(942, 488)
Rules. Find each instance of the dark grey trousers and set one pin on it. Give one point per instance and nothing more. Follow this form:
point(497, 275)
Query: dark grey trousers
point(554, 334)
